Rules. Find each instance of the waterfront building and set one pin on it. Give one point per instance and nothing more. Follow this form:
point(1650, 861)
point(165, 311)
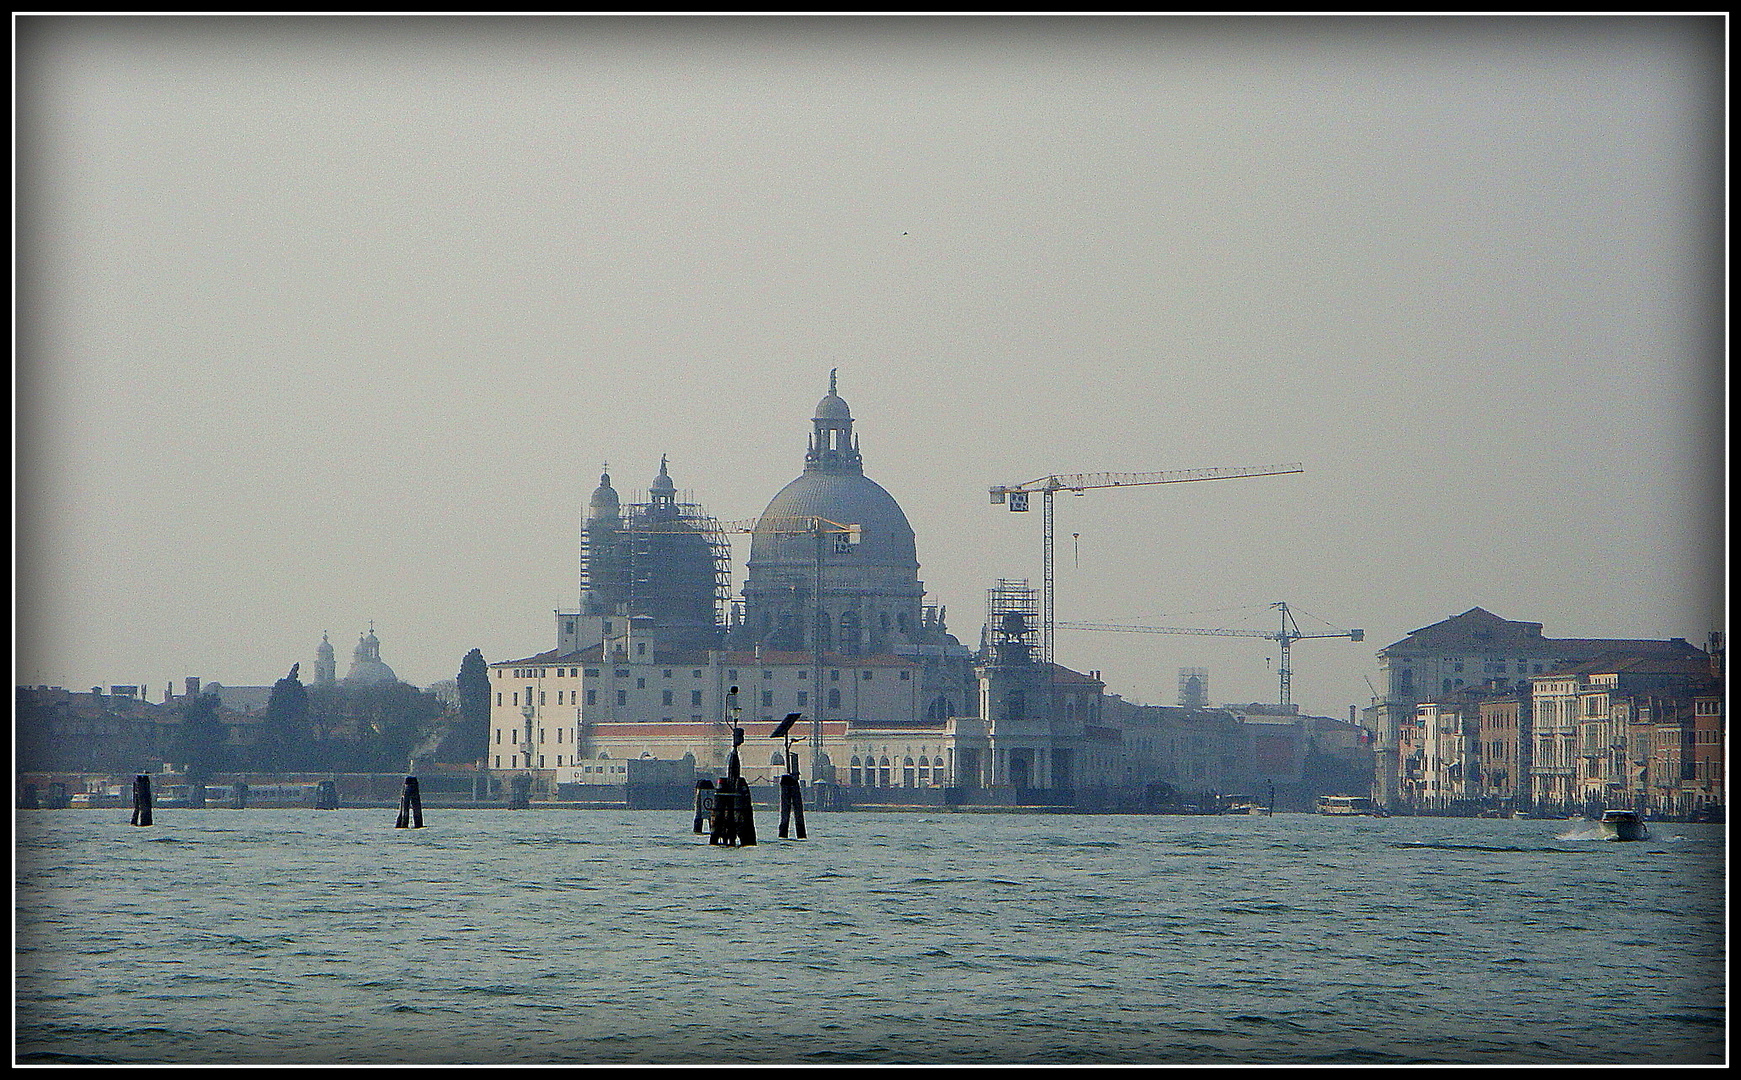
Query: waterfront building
point(1623, 729)
point(1471, 650)
point(1503, 736)
point(833, 626)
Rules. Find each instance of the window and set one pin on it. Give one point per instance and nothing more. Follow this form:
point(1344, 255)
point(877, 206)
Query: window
point(857, 775)
point(767, 673)
point(906, 676)
point(834, 699)
point(695, 699)
point(767, 699)
point(803, 698)
point(591, 695)
point(622, 697)
point(640, 684)
point(667, 673)
point(498, 698)
point(667, 697)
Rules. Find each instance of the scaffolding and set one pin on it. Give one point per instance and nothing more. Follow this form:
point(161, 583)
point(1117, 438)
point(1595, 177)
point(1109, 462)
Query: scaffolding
point(1013, 619)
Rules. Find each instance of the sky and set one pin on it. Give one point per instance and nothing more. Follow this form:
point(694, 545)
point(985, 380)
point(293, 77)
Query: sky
point(331, 322)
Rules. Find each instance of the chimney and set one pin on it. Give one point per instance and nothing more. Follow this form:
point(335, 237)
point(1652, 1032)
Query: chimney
point(193, 686)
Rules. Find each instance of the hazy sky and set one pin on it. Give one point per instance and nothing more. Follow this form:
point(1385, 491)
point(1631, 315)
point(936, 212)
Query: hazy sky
point(324, 321)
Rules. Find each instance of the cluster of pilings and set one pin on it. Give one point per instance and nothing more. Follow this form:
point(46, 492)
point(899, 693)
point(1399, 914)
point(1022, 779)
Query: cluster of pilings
point(727, 811)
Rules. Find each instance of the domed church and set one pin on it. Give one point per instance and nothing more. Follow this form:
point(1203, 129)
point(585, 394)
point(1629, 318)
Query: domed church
point(366, 665)
point(872, 601)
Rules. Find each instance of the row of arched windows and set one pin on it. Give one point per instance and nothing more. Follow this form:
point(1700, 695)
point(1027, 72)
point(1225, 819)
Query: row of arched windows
point(872, 771)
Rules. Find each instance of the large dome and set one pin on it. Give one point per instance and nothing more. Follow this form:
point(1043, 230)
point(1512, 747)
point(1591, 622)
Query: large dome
point(846, 498)
point(366, 665)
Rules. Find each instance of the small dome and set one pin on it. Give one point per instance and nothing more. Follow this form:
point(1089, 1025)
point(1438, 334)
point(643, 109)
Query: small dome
point(832, 407)
point(662, 484)
point(604, 499)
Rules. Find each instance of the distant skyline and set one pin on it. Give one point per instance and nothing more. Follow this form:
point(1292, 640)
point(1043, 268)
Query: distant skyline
point(331, 320)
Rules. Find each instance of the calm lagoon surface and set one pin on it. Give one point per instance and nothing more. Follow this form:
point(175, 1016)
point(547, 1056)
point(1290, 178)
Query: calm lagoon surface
point(572, 937)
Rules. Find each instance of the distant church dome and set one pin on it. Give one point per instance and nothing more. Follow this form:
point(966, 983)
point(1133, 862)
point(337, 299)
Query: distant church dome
point(872, 596)
point(325, 667)
point(366, 665)
point(603, 505)
point(834, 487)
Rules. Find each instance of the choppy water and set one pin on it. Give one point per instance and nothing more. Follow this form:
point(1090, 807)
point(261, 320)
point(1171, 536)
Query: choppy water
point(574, 937)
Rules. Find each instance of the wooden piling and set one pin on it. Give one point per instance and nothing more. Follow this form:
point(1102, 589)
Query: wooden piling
point(798, 807)
point(746, 815)
point(410, 806)
point(791, 805)
point(703, 803)
point(141, 800)
point(326, 796)
point(239, 796)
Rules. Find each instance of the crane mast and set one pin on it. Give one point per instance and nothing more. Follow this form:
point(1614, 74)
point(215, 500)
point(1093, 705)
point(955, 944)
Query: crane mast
point(1286, 636)
point(1016, 495)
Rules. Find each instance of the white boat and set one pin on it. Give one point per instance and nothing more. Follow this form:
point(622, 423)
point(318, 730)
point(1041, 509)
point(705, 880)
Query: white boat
point(1349, 806)
point(1623, 825)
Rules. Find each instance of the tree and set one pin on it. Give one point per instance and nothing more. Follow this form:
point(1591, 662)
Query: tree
point(284, 737)
point(199, 745)
point(474, 707)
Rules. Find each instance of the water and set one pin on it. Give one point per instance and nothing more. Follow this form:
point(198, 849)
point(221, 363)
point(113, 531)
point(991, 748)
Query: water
point(577, 937)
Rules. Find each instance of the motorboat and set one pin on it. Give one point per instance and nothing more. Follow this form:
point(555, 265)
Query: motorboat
point(1623, 825)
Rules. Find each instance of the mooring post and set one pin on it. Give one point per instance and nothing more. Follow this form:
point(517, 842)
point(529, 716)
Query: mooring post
point(797, 806)
point(703, 803)
point(410, 806)
point(724, 823)
point(326, 795)
point(239, 796)
point(142, 800)
point(746, 824)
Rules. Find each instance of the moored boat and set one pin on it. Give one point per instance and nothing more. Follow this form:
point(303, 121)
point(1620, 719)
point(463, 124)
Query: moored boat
point(1623, 825)
point(1349, 806)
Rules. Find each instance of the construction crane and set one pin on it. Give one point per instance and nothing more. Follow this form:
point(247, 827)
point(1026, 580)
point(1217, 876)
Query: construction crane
point(1287, 635)
point(1048, 486)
